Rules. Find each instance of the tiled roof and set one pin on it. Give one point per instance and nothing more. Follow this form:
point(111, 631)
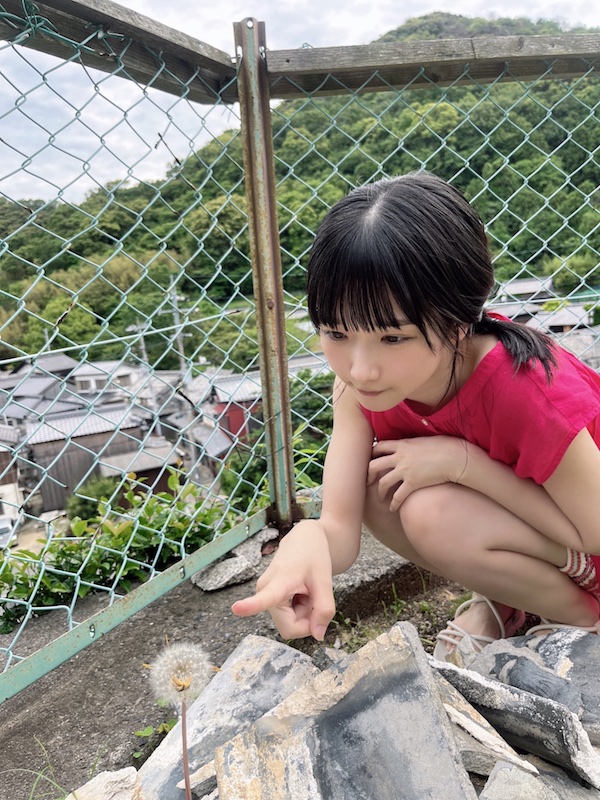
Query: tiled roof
point(140, 460)
point(81, 424)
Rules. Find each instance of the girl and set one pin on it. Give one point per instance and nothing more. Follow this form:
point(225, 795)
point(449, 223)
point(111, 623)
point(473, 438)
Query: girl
point(465, 442)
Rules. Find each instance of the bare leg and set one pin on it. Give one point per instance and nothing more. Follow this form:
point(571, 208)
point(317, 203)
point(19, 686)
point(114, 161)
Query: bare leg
point(468, 538)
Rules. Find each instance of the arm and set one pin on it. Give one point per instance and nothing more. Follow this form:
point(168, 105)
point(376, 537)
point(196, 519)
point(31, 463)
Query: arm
point(296, 588)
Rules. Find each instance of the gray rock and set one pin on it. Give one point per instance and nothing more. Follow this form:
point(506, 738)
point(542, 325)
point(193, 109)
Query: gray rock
point(534, 724)
point(524, 669)
point(229, 571)
point(258, 675)
point(508, 782)
point(575, 655)
point(203, 781)
point(481, 746)
point(251, 549)
point(352, 734)
point(121, 785)
point(330, 658)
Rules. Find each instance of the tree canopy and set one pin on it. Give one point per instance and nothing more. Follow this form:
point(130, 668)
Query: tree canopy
point(522, 153)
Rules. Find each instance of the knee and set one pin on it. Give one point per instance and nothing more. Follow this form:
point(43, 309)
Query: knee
point(424, 516)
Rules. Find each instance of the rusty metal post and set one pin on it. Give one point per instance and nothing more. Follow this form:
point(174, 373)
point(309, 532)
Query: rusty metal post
point(257, 136)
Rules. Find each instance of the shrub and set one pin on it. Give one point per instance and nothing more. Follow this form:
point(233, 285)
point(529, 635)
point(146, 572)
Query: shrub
point(114, 549)
point(84, 503)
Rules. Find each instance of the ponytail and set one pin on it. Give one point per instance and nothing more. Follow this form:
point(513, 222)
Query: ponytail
point(525, 345)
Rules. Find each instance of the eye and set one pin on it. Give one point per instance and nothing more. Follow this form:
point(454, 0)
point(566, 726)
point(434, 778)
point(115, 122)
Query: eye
point(394, 339)
point(335, 335)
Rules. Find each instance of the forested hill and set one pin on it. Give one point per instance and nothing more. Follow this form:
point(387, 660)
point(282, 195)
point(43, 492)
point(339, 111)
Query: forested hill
point(439, 25)
point(523, 154)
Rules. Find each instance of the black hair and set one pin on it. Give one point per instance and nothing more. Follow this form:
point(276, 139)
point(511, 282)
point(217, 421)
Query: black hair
point(413, 243)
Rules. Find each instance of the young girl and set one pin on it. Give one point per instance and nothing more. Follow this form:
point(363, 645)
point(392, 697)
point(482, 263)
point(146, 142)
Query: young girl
point(465, 442)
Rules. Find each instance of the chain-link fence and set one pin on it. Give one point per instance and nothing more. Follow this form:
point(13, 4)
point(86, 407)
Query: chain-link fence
point(147, 422)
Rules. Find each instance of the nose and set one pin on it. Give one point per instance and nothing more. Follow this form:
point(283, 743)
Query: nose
point(363, 369)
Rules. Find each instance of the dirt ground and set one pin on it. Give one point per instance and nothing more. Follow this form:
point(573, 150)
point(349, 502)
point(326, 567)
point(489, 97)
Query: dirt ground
point(82, 717)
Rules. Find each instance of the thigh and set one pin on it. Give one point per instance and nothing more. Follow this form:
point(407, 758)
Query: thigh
point(386, 526)
point(447, 520)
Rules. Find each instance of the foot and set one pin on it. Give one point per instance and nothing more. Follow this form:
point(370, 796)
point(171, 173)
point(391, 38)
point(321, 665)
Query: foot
point(479, 619)
point(477, 623)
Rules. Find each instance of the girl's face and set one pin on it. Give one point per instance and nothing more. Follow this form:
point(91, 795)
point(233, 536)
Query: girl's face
point(384, 367)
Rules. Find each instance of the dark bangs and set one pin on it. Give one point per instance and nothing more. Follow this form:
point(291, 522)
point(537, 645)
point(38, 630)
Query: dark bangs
point(410, 246)
point(352, 285)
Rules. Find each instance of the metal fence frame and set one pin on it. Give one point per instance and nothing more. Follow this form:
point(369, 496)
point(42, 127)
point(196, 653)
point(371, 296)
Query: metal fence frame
point(262, 76)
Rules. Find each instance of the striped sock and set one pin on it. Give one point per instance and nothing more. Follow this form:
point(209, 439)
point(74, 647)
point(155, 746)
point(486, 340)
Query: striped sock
point(580, 568)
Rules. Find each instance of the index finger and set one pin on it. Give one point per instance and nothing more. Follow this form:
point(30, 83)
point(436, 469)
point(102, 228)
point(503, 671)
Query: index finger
point(269, 597)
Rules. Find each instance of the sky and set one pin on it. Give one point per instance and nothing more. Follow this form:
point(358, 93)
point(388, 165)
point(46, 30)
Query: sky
point(327, 23)
point(66, 131)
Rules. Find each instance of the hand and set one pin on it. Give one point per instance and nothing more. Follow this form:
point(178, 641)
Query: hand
point(402, 466)
point(296, 588)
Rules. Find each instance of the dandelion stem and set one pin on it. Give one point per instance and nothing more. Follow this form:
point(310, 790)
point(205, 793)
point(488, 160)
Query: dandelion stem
point(184, 748)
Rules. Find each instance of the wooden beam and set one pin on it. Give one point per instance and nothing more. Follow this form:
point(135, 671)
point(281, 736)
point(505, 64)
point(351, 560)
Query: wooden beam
point(418, 64)
point(128, 39)
point(209, 73)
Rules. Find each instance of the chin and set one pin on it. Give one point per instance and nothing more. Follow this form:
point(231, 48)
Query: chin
point(378, 403)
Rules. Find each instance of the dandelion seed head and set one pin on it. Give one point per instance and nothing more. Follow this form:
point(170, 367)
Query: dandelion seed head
point(180, 673)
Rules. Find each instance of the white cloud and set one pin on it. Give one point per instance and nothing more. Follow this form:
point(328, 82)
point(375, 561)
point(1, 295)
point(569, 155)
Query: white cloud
point(72, 129)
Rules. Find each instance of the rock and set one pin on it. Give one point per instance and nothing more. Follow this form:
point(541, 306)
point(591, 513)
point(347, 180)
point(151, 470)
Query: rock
point(352, 733)
point(258, 675)
point(203, 781)
point(229, 571)
point(534, 724)
point(575, 656)
point(121, 785)
point(507, 782)
point(251, 549)
point(524, 669)
point(481, 746)
point(238, 567)
point(329, 658)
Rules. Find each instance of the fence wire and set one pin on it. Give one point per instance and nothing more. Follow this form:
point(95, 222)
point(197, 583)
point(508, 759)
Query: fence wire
point(131, 430)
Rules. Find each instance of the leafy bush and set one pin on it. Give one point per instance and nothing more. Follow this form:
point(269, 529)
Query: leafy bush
point(84, 503)
point(113, 549)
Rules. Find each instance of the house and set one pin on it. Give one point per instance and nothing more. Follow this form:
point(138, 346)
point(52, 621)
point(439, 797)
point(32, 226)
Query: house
point(58, 364)
point(11, 493)
point(518, 312)
point(93, 377)
point(64, 449)
point(532, 289)
point(235, 401)
point(566, 317)
point(585, 344)
point(149, 462)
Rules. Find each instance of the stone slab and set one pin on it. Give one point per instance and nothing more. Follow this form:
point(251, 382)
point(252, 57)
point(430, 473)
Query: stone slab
point(481, 746)
point(258, 675)
point(530, 723)
point(523, 668)
point(352, 733)
point(121, 785)
point(508, 782)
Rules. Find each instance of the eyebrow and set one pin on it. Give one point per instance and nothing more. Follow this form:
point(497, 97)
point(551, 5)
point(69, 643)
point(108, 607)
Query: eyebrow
point(401, 323)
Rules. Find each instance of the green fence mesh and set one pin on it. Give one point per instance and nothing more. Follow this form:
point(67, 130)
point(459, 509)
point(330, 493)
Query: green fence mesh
point(132, 431)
